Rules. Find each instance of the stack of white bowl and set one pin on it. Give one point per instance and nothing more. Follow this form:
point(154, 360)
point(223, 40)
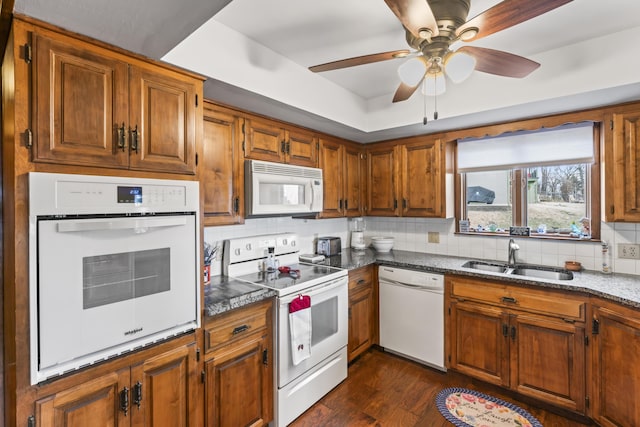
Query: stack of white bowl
point(382, 244)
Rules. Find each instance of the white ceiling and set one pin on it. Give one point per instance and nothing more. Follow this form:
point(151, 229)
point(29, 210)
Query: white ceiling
point(256, 53)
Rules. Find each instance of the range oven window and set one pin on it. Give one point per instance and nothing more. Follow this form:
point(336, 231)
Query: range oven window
point(111, 278)
point(324, 320)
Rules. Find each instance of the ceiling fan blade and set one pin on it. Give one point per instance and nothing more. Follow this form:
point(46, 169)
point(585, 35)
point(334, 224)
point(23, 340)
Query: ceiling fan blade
point(507, 14)
point(360, 60)
point(499, 62)
point(405, 91)
point(415, 15)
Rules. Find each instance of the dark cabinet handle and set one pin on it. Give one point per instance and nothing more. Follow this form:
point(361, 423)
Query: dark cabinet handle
point(137, 394)
point(236, 205)
point(395, 204)
point(265, 357)
point(509, 300)
point(282, 147)
point(505, 330)
point(513, 332)
point(240, 329)
point(361, 281)
point(124, 400)
point(340, 204)
point(122, 137)
point(404, 203)
point(346, 204)
point(288, 148)
point(134, 139)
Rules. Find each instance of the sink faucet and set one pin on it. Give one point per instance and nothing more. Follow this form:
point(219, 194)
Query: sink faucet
point(513, 247)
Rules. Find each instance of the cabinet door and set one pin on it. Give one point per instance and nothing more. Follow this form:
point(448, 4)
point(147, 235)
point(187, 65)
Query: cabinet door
point(354, 181)
point(625, 171)
point(332, 178)
point(479, 342)
point(163, 120)
point(163, 390)
point(239, 384)
point(616, 367)
point(96, 402)
point(301, 148)
point(80, 104)
point(548, 360)
point(221, 173)
point(382, 194)
point(422, 179)
point(360, 322)
point(264, 140)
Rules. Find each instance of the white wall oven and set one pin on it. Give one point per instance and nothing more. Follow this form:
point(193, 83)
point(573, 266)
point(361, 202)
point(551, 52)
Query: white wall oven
point(113, 265)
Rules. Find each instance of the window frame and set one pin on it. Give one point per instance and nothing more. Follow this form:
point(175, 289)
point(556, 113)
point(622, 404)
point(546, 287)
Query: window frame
point(518, 196)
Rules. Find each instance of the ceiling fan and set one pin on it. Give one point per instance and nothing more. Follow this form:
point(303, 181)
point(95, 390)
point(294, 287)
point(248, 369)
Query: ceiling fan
point(435, 27)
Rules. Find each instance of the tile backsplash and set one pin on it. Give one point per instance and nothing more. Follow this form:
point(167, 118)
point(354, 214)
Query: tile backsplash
point(412, 234)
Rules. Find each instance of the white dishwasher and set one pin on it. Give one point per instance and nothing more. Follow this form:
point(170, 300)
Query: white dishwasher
point(412, 314)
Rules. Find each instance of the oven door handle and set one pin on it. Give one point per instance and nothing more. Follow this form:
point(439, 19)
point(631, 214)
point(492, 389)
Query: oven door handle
point(140, 225)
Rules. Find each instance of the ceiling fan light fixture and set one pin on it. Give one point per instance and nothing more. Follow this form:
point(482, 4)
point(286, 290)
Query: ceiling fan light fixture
point(412, 71)
point(425, 33)
point(434, 84)
point(459, 66)
point(468, 34)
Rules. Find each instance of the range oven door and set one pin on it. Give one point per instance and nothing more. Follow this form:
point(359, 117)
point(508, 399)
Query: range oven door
point(329, 328)
point(107, 285)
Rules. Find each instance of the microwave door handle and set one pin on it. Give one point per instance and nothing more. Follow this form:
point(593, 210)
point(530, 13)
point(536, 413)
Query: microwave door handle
point(138, 224)
point(312, 194)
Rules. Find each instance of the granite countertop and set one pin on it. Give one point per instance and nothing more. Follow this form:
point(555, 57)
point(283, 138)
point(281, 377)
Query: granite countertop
point(622, 288)
point(223, 293)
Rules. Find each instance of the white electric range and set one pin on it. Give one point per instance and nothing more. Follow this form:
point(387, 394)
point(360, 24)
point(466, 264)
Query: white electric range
point(297, 387)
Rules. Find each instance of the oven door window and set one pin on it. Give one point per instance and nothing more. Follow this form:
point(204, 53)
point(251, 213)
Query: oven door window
point(107, 279)
point(324, 320)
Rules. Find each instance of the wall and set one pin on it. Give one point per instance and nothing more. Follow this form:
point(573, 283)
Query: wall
point(411, 234)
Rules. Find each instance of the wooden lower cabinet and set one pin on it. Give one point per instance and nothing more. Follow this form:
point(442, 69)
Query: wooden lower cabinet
point(160, 391)
point(363, 322)
point(531, 341)
point(239, 367)
point(615, 364)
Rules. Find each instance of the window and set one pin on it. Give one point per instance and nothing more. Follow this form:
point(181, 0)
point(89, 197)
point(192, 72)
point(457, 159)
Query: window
point(545, 180)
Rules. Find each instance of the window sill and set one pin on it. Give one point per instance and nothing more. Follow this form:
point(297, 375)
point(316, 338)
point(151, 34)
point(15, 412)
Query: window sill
point(545, 236)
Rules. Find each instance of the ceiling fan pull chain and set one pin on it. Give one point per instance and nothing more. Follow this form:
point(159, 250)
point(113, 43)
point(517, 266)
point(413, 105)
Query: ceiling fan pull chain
point(424, 97)
point(435, 100)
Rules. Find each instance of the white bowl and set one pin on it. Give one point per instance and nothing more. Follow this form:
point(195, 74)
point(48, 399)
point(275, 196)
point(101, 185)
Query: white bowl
point(382, 244)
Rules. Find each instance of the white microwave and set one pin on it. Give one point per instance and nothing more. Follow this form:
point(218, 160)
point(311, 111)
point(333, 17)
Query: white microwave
point(279, 189)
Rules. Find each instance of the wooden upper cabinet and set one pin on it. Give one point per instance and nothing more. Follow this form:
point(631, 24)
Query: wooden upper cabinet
point(81, 103)
point(92, 106)
point(382, 191)
point(331, 157)
point(270, 141)
point(221, 170)
point(343, 177)
point(423, 181)
point(162, 120)
point(354, 180)
point(622, 163)
point(301, 148)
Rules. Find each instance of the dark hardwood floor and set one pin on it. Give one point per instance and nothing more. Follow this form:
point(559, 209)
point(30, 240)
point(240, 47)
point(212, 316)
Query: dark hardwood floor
point(386, 390)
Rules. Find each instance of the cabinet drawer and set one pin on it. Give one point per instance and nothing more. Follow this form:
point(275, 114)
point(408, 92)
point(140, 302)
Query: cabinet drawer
point(236, 324)
point(360, 278)
point(552, 303)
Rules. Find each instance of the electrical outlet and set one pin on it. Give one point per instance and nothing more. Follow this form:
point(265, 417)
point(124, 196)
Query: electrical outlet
point(628, 250)
point(433, 237)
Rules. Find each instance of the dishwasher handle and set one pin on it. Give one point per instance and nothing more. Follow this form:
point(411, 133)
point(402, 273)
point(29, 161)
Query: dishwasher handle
point(412, 286)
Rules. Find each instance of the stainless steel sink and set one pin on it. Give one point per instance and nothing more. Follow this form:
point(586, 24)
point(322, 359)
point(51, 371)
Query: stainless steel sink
point(493, 267)
point(526, 270)
point(543, 273)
